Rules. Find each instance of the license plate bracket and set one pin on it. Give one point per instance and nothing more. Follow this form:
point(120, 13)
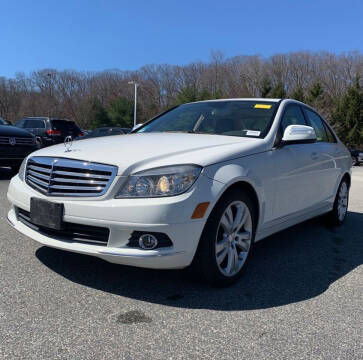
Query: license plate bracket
point(46, 213)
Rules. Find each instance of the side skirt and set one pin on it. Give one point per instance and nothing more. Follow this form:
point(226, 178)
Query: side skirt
point(286, 222)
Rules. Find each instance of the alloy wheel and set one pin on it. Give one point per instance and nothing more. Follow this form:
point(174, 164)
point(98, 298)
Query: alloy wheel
point(342, 201)
point(233, 239)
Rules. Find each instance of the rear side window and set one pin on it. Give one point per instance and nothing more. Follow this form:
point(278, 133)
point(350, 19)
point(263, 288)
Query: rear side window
point(293, 115)
point(34, 124)
point(317, 124)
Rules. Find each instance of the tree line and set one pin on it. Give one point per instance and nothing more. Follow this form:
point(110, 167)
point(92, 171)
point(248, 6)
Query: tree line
point(332, 83)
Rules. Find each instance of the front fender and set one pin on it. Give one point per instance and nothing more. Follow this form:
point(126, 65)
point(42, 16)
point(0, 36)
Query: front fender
point(229, 174)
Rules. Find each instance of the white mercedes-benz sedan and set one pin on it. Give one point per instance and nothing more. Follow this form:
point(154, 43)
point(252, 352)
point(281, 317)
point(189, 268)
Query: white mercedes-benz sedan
point(197, 185)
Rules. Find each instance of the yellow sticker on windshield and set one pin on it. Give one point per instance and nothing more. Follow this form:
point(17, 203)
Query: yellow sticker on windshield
point(262, 106)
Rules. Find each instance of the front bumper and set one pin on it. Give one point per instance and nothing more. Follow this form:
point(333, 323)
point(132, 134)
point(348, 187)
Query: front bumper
point(14, 155)
point(124, 216)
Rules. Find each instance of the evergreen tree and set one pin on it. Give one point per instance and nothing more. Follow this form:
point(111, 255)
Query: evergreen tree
point(190, 94)
point(316, 92)
point(266, 87)
point(99, 115)
point(298, 94)
point(348, 116)
point(278, 91)
point(120, 112)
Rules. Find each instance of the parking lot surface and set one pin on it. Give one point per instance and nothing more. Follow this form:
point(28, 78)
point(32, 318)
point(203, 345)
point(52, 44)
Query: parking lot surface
point(301, 298)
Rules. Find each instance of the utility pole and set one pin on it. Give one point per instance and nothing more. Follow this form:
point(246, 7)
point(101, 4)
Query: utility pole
point(50, 92)
point(135, 98)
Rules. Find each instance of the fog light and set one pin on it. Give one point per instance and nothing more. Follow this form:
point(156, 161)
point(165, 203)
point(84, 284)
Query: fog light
point(148, 241)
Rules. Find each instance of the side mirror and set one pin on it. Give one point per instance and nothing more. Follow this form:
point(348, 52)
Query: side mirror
point(136, 127)
point(298, 134)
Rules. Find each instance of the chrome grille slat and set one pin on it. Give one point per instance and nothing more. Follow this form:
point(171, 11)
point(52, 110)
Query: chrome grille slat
point(77, 181)
point(66, 177)
point(38, 181)
point(86, 175)
point(41, 169)
point(81, 188)
point(5, 140)
point(38, 175)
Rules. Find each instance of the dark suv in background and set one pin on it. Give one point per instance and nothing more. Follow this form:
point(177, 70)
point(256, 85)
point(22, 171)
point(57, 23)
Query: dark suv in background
point(15, 145)
point(49, 131)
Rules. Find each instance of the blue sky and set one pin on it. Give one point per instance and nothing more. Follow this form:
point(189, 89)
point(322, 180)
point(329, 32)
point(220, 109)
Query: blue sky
point(96, 35)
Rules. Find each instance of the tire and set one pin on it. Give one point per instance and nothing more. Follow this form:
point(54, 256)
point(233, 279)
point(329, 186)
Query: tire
point(39, 142)
point(222, 254)
point(339, 212)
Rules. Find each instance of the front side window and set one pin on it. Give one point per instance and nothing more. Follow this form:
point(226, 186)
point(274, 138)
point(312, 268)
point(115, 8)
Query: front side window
point(230, 118)
point(317, 124)
point(20, 123)
point(292, 116)
point(330, 134)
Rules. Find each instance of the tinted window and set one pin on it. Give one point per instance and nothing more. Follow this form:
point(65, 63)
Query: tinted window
point(233, 118)
point(318, 126)
point(292, 116)
point(20, 123)
point(103, 132)
point(34, 124)
point(64, 125)
point(115, 132)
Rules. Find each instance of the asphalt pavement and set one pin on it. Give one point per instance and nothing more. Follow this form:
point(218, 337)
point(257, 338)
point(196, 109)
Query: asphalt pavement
point(301, 298)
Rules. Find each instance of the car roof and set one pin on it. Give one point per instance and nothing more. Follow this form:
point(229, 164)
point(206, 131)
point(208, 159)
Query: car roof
point(239, 99)
point(109, 128)
point(43, 118)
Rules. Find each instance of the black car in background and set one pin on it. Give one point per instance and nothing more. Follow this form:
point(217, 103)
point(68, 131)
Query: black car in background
point(357, 156)
point(49, 131)
point(103, 131)
point(15, 145)
point(4, 122)
point(126, 130)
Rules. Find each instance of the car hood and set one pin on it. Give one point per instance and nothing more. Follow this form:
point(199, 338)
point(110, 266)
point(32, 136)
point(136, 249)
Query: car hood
point(9, 130)
point(136, 152)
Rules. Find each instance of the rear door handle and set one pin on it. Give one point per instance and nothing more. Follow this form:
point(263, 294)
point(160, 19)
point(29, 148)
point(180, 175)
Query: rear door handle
point(314, 156)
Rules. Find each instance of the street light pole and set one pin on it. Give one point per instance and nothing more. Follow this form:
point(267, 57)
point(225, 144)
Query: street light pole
point(135, 98)
point(50, 92)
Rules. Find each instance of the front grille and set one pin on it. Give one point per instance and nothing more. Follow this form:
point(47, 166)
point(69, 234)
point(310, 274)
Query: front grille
point(65, 177)
point(71, 232)
point(6, 140)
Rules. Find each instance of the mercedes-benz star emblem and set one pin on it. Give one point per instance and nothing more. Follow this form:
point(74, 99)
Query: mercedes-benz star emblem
point(68, 141)
point(12, 141)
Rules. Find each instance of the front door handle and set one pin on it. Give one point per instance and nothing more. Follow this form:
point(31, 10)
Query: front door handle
point(314, 156)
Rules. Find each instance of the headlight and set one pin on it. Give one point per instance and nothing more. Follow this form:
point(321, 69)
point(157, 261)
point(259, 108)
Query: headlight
point(22, 169)
point(158, 182)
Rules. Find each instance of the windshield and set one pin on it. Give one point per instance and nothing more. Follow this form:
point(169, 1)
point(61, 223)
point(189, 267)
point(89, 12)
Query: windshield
point(231, 118)
point(3, 122)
